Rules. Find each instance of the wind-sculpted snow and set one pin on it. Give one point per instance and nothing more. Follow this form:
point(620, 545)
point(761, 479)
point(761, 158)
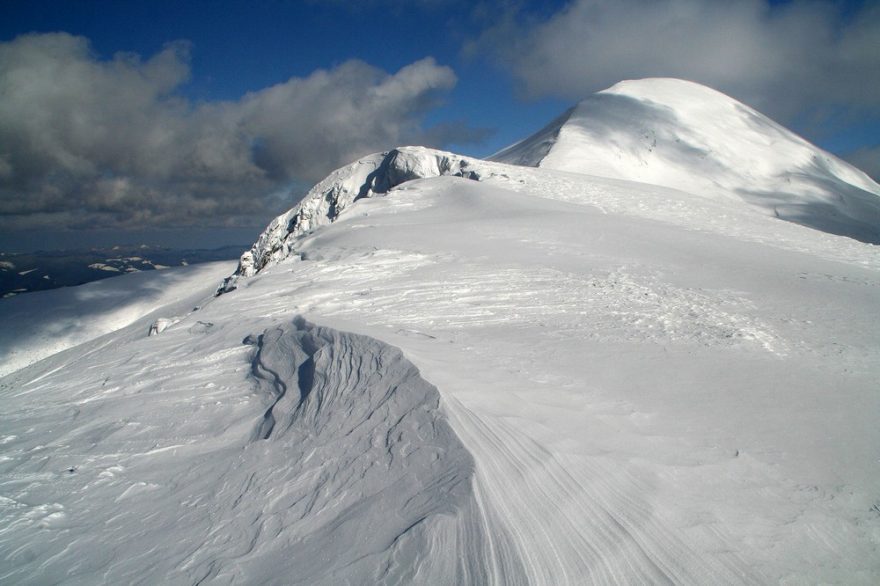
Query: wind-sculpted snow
point(367, 177)
point(375, 481)
point(341, 469)
point(682, 135)
point(583, 520)
point(602, 364)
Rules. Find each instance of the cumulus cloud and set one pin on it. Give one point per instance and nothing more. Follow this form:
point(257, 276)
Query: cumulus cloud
point(789, 60)
point(102, 143)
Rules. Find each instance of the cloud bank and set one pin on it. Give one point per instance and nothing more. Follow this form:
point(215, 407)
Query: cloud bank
point(86, 142)
point(793, 60)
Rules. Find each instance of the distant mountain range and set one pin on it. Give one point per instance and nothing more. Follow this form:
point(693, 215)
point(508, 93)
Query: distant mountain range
point(42, 270)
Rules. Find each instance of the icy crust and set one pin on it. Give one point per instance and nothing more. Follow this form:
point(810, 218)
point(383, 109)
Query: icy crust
point(372, 175)
point(686, 136)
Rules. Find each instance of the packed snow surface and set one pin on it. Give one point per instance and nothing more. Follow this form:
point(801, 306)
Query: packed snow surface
point(470, 373)
point(684, 135)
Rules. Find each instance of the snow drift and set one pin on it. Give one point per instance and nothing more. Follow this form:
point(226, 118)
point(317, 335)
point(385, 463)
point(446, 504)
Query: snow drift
point(386, 473)
point(347, 473)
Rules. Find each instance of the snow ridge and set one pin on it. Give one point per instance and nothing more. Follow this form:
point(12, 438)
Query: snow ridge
point(531, 151)
point(372, 175)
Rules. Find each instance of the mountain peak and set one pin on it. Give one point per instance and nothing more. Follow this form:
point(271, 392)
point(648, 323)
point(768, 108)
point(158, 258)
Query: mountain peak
point(687, 136)
point(656, 87)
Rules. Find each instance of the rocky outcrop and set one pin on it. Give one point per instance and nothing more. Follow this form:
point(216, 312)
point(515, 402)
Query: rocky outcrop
point(370, 176)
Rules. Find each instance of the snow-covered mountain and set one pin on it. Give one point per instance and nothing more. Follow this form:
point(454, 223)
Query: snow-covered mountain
point(439, 370)
point(686, 136)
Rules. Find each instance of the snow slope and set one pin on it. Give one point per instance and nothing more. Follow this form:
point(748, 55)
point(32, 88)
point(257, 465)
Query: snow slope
point(43, 323)
point(683, 135)
point(537, 377)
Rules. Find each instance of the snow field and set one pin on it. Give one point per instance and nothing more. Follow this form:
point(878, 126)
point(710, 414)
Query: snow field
point(685, 369)
point(601, 396)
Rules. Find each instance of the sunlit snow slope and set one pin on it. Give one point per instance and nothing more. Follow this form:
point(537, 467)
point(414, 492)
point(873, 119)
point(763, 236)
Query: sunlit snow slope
point(684, 135)
point(514, 376)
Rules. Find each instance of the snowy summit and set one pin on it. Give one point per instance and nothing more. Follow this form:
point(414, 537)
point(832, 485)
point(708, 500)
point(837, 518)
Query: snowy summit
point(686, 136)
point(637, 347)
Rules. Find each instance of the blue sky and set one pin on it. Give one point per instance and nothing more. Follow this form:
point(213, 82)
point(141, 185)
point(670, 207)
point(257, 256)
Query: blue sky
point(239, 46)
point(264, 98)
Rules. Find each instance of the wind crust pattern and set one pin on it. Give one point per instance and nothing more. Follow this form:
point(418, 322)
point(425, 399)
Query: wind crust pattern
point(376, 479)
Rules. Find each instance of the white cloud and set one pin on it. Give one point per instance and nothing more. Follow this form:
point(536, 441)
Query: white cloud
point(339, 115)
point(788, 60)
point(91, 142)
